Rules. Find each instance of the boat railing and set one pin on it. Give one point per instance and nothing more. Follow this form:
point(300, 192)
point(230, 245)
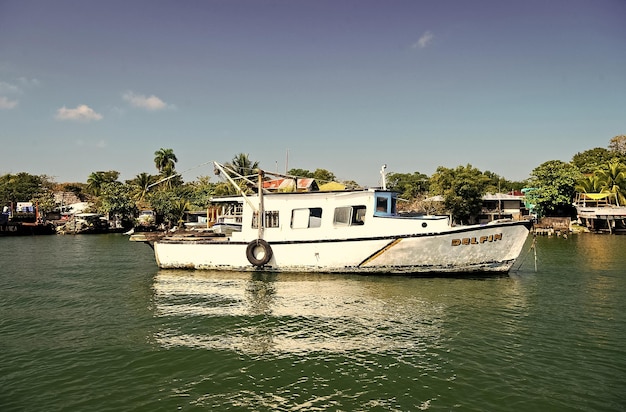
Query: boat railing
point(596, 200)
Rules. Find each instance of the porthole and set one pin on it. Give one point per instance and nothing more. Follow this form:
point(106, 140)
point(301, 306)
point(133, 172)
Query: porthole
point(424, 224)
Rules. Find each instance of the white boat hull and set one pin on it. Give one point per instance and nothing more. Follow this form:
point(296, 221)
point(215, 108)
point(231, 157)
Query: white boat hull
point(344, 231)
point(487, 248)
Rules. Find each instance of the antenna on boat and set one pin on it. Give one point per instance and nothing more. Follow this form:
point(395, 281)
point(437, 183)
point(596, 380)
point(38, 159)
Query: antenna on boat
point(384, 177)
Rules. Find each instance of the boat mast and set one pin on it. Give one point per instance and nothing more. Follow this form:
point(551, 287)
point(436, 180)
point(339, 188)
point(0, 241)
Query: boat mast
point(261, 219)
point(235, 185)
point(384, 177)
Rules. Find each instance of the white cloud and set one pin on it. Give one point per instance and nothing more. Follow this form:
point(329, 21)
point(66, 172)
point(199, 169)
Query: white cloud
point(118, 111)
point(9, 88)
point(100, 144)
point(14, 89)
point(143, 102)
point(81, 112)
point(28, 82)
point(5, 103)
point(424, 40)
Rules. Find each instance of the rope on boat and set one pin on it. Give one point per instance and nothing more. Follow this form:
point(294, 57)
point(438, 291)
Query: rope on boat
point(177, 174)
point(533, 247)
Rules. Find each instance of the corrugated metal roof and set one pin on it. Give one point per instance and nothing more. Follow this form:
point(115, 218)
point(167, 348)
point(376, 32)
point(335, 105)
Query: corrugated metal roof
point(501, 196)
point(276, 184)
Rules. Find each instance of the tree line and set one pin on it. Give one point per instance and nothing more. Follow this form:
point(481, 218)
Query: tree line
point(551, 186)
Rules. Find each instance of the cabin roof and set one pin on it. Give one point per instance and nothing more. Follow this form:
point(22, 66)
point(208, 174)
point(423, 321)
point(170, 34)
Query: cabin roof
point(594, 196)
point(240, 199)
point(487, 196)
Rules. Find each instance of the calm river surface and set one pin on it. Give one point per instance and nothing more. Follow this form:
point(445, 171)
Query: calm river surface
point(89, 323)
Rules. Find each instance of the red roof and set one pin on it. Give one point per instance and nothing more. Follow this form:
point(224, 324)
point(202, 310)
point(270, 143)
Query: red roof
point(276, 184)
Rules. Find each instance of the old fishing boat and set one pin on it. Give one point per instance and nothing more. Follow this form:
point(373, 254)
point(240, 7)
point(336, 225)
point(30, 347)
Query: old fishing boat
point(600, 212)
point(346, 231)
point(25, 221)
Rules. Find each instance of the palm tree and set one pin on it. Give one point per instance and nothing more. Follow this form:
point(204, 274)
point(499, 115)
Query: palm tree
point(141, 183)
point(613, 180)
point(179, 207)
point(95, 182)
point(589, 184)
point(242, 165)
point(165, 160)
point(170, 179)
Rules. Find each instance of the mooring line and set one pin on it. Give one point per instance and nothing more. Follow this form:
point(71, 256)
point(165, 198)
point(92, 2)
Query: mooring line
point(533, 247)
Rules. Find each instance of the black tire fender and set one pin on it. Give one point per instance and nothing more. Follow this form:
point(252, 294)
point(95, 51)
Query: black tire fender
point(251, 255)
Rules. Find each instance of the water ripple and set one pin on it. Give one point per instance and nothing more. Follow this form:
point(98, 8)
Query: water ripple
point(91, 324)
point(290, 316)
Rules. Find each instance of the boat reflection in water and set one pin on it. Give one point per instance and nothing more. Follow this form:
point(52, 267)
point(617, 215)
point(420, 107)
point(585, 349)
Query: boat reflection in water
point(292, 313)
point(305, 341)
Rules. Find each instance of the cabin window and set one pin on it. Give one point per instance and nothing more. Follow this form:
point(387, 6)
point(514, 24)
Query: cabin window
point(381, 204)
point(349, 215)
point(306, 218)
point(271, 219)
point(385, 204)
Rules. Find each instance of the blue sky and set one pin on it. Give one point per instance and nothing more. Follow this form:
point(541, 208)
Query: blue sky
point(344, 85)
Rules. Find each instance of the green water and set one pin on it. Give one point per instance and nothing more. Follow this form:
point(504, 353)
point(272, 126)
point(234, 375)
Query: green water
point(88, 323)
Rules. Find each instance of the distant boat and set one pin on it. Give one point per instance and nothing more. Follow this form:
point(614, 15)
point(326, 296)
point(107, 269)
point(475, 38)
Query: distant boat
point(84, 223)
point(345, 231)
point(23, 224)
point(26, 229)
point(597, 214)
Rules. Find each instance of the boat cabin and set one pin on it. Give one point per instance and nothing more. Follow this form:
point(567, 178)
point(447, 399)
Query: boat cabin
point(287, 215)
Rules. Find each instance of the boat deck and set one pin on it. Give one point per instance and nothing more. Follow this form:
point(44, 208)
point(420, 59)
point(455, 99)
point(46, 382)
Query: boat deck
point(151, 237)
